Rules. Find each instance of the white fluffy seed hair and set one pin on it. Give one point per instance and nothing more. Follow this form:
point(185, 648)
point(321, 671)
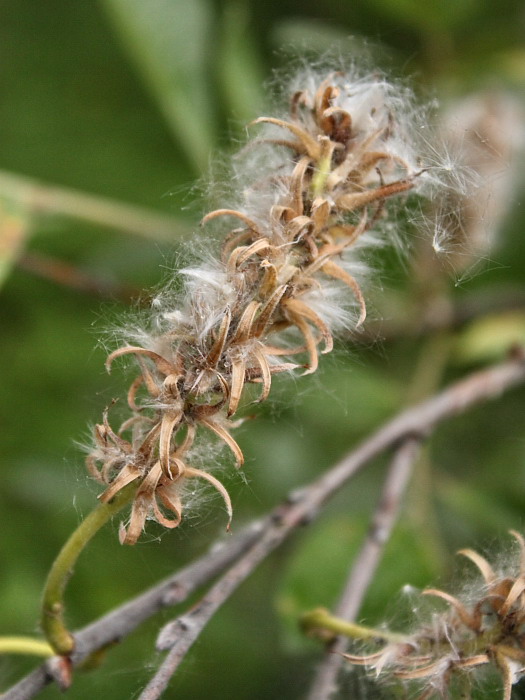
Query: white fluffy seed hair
point(374, 105)
point(371, 100)
point(202, 294)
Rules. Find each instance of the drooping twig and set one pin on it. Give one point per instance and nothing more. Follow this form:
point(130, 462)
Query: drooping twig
point(366, 562)
point(301, 507)
point(50, 199)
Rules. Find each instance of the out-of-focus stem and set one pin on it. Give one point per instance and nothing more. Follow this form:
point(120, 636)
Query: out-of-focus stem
point(38, 198)
point(15, 225)
point(67, 275)
point(431, 364)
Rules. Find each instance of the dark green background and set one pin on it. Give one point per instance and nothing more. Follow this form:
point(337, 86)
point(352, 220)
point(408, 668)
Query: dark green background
point(83, 95)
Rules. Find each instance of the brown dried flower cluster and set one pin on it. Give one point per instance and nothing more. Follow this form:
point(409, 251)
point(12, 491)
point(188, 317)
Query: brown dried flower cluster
point(486, 629)
point(274, 299)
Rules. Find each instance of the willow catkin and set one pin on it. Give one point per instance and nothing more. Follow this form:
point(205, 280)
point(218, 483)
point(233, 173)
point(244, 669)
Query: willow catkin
point(287, 278)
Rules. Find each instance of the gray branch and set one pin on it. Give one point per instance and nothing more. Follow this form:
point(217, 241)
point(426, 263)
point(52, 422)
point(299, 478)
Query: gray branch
point(247, 549)
point(366, 563)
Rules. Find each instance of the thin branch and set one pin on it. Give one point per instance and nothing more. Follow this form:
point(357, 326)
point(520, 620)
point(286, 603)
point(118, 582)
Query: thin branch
point(178, 636)
point(50, 199)
point(302, 506)
point(68, 275)
point(383, 521)
point(366, 563)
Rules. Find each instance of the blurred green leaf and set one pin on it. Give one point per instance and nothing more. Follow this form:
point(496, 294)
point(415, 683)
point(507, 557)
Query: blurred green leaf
point(512, 63)
point(351, 398)
point(170, 42)
point(490, 338)
point(484, 512)
point(429, 17)
point(311, 36)
point(241, 76)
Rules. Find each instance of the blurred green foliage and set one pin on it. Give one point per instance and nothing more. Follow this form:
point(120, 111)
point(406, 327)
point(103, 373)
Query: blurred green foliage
point(131, 100)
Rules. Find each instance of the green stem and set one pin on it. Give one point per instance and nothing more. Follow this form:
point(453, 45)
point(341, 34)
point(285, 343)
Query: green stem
point(25, 645)
point(57, 634)
point(320, 619)
point(320, 176)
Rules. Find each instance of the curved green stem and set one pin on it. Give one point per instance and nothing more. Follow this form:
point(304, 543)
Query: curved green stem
point(25, 645)
point(57, 634)
point(320, 619)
